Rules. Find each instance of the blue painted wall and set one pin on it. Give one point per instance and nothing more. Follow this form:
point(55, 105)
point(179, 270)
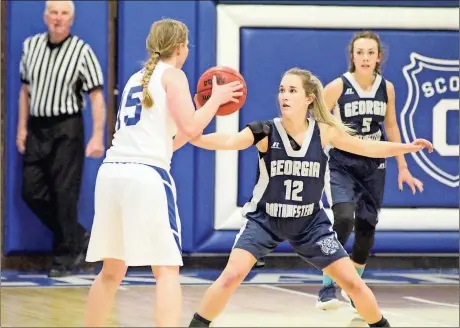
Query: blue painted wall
point(323, 51)
point(22, 231)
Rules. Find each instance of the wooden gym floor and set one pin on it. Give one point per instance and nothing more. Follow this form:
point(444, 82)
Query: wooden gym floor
point(266, 299)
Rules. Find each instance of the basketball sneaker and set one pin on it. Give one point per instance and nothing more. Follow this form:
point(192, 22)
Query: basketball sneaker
point(327, 299)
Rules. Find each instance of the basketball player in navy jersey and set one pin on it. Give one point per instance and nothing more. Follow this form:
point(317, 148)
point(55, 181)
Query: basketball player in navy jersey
point(365, 101)
point(286, 201)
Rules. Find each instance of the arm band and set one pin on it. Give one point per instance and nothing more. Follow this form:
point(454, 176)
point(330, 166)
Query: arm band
point(260, 130)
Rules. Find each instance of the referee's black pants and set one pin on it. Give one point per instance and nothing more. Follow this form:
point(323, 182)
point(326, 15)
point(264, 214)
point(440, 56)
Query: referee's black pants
point(52, 170)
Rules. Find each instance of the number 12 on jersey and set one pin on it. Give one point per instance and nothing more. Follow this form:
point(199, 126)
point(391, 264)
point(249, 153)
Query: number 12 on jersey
point(293, 189)
point(132, 100)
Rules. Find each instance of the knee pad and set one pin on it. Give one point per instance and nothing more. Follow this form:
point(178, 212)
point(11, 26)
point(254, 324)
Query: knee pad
point(343, 220)
point(364, 241)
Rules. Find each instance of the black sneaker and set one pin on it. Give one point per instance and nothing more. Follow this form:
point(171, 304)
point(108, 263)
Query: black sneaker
point(57, 271)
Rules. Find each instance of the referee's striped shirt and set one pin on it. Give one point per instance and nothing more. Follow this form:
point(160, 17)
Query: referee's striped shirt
point(58, 74)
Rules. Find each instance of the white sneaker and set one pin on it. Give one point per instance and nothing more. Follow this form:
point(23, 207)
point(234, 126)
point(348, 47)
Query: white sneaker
point(327, 299)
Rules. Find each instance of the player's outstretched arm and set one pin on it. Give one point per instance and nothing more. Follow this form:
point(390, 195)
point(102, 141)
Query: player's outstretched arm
point(391, 123)
point(370, 148)
point(180, 140)
point(225, 141)
point(393, 134)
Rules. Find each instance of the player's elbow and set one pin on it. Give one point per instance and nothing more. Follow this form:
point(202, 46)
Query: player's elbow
point(191, 131)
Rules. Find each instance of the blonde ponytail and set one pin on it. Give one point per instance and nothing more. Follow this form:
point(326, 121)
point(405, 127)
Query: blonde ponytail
point(318, 108)
point(321, 113)
point(147, 100)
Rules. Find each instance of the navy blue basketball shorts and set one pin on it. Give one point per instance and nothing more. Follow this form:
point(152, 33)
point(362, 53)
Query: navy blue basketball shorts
point(311, 237)
point(361, 182)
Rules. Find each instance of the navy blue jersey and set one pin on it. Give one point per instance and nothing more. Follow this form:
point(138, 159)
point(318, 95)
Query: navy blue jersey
point(361, 110)
point(290, 182)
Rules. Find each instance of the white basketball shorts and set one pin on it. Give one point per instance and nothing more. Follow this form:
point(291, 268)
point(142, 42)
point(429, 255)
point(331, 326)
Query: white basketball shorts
point(136, 218)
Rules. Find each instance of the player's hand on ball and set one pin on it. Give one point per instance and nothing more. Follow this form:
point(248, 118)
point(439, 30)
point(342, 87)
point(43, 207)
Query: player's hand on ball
point(421, 144)
point(226, 92)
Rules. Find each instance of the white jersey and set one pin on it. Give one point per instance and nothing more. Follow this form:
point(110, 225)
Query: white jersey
point(144, 135)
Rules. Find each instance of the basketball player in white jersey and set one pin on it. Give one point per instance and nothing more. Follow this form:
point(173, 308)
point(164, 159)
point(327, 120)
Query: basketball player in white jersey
point(136, 221)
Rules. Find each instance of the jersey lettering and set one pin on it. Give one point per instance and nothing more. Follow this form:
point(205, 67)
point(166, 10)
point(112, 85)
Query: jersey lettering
point(295, 168)
point(277, 210)
point(365, 107)
point(290, 177)
point(364, 111)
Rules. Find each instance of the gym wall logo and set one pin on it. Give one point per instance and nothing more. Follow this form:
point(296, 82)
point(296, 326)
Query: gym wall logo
point(433, 93)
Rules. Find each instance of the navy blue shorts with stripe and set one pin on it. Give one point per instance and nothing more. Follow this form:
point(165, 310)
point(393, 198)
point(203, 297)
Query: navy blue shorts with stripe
point(311, 237)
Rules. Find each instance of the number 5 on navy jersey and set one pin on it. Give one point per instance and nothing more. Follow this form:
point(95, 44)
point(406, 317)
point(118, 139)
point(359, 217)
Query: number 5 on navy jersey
point(132, 100)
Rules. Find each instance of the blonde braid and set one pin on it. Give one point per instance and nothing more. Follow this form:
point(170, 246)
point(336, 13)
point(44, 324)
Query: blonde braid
point(164, 38)
point(147, 100)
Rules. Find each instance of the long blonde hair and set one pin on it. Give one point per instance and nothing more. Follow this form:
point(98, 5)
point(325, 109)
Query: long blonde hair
point(317, 109)
point(164, 37)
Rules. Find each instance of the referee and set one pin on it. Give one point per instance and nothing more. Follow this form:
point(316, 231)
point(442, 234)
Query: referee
point(56, 69)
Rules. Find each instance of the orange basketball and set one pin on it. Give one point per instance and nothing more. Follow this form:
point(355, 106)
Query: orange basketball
point(224, 75)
